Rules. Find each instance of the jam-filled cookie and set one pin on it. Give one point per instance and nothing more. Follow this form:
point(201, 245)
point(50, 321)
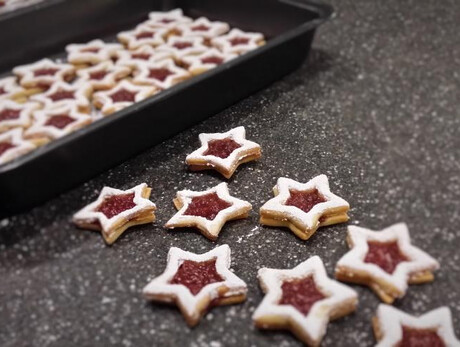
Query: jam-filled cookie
point(103, 76)
point(223, 152)
point(238, 42)
point(143, 54)
point(15, 115)
point(162, 74)
point(13, 145)
point(208, 210)
point(91, 53)
point(203, 27)
point(116, 210)
point(142, 35)
point(197, 282)
point(386, 261)
point(208, 60)
point(303, 300)
point(304, 207)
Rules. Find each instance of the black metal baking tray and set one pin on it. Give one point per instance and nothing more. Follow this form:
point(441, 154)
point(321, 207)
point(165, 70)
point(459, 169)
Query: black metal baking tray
point(44, 30)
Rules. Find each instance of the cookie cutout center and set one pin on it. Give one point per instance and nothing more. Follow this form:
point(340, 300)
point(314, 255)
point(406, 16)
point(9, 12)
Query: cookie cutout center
point(182, 45)
point(166, 20)
point(141, 56)
point(200, 27)
point(98, 75)
point(420, 338)
point(45, 72)
point(212, 60)
point(4, 146)
point(385, 255)
point(59, 121)
point(207, 206)
point(144, 35)
point(90, 50)
point(9, 114)
point(62, 95)
point(304, 200)
point(196, 275)
point(221, 148)
point(301, 293)
point(123, 95)
point(2, 91)
point(239, 41)
point(160, 74)
point(116, 204)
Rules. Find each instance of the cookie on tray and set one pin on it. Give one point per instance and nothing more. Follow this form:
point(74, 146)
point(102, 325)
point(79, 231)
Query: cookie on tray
point(197, 64)
point(15, 115)
point(103, 76)
point(238, 42)
point(13, 145)
point(91, 53)
point(162, 74)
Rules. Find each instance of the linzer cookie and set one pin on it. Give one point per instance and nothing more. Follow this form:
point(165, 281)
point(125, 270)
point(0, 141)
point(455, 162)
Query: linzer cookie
point(202, 27)
point(123, 95)
point(43, 74)
point(14, 115)
point(197, 64)
point(163, 74)
point(103, 76)
point(142, 35)
point(167, 19)
point(238, 42)
point(9, 89)
point(303, 300)
point(207, 211)
point(64, 94)
point(393, 327)
point(13, 145)
point(223, 152)
point(143, 54)
point(197, 282)
point(116, 210)
point(180, 47)
point(91, 53)
point(50, 124)
point(304, 207)
point(385, 261)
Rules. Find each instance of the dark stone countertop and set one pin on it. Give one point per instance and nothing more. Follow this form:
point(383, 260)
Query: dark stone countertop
point(375, 109)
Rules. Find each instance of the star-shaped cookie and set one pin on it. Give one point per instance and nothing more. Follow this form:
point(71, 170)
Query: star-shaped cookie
point(197, 282)
point(13, 145)
point(208, 210)
point(304, 207)
point(91, 53)
point(203, 27)
point(142, 35)
point(9, 89)
point(42, 74)
point(15, 115)
point(208, 60)
point(303, 300)
point(162, 74)
point(393, 327)
point(223, 152)
point(238, 42)
point(386, 261)
point(116, 210)
point(103, 76)
point(167, 19)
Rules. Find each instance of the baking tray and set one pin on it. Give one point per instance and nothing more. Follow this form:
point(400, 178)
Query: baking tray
point(45, 29)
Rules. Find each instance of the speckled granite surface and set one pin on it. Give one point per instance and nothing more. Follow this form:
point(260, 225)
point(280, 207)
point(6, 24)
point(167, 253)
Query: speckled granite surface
point(376, 109)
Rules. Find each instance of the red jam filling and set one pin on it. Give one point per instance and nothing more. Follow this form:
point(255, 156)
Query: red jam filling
point(207, 206)
point(420, 338)
point(2, 91)
point(123, 95)
point(301, 293)
point(59, 121)
point(45, 72)
point(98, 75)
point(200, 27)
point(141, 56)
point(221, 148)
point(144, 35)
point(212, 60)
point(4, 146)
point(305, 200)
point(62, 95)
point(386, 255)
point(239, 41)
point(159, 74)
point(90, 50)
point(182, 45)
point(166, 20)
point(116, 204)
point(196, 275)
point(8, 114)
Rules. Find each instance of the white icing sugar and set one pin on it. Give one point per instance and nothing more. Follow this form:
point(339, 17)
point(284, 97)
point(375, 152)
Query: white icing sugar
point(80, 53)
point(10, 87)
point(307, 220)
point(190, 303)
point(391, 320)
point(314, 324)
point(418, 259)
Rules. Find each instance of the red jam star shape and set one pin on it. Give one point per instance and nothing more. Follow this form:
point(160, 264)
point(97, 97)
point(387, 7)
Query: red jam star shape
point(385, 260)
point(208, 60)
point(304, 207)
point(15, 115)
point(196, 282)
point(13, 145)
point(303, 299)
point(162, 74)
point(208, 210)
point(214, 152)
point(238, 42)
point(43, 73)
point(116, 210)
point(393, 327)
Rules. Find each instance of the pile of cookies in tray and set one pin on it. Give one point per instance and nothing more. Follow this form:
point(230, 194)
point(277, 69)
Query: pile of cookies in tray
point(303, 299)
point(49, 99)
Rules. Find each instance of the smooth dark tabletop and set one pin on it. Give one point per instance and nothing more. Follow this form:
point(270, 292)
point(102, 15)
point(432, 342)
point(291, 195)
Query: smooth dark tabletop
point(376, 109)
